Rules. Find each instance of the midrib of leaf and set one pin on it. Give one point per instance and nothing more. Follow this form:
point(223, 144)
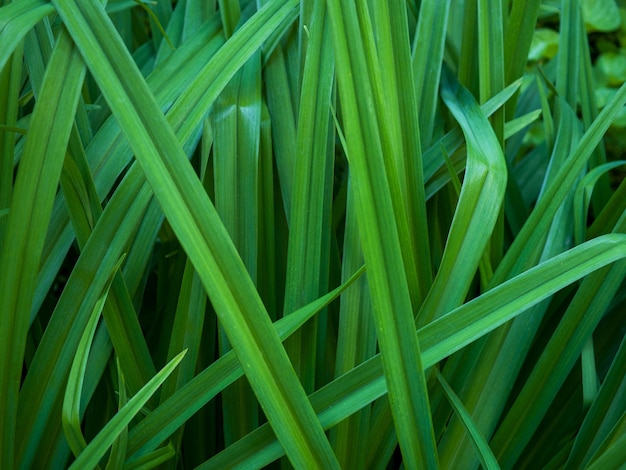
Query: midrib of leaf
point(199, 230)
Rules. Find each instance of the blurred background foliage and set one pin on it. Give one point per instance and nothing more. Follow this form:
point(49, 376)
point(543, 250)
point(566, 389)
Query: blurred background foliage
point(605, 23)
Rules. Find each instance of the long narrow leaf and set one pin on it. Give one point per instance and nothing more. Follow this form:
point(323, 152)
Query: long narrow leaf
point(173, 412)
point(487, 458)
point(441, 338)
point(16, 19)
point(31, 207)
point(96, 449)
point(375, 185)
point(73, 392)
point(198, 227)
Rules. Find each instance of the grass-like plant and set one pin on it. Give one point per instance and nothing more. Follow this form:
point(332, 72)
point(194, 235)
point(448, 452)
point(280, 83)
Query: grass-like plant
point(325, 234)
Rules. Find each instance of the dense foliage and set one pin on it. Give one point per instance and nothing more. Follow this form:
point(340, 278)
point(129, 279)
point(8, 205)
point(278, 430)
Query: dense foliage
point(341, 234)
